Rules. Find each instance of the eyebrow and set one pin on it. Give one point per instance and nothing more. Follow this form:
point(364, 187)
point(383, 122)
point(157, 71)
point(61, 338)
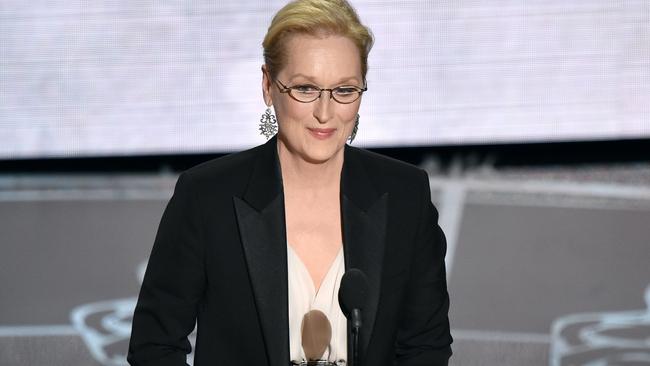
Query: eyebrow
point(313, 80)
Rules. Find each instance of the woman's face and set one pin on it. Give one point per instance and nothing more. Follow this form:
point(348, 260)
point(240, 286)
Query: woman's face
point(316, 131)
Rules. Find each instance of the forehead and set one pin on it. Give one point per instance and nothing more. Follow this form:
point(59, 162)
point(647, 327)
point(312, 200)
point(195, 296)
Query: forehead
point(325, 59)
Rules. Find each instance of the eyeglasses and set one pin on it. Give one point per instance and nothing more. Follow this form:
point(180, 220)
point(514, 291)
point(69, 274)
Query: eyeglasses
point(308, 93)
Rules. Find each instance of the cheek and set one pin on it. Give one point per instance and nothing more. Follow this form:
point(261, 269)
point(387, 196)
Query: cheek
point(350, 116)
point(292, 112)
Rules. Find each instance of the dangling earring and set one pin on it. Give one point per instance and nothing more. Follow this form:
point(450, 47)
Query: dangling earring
point(268, 124)
point(354, 130)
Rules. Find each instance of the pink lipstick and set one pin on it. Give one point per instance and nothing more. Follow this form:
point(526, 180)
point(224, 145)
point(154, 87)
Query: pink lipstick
point(322, 133)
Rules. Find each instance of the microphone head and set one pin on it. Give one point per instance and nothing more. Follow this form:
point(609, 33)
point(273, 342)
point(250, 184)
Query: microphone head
point(316, 334)
point(353, 291)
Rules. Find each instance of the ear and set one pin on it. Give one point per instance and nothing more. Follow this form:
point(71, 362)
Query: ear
point(266, 86)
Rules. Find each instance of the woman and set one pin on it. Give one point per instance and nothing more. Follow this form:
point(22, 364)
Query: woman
point(253, 245)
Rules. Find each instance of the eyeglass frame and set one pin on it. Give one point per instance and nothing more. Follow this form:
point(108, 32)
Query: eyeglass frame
point(287, 89)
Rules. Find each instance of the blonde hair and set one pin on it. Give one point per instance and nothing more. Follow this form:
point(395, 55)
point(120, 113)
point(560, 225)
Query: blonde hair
point(314, 17)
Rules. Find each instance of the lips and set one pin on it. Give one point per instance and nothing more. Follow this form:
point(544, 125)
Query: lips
point(322, 133)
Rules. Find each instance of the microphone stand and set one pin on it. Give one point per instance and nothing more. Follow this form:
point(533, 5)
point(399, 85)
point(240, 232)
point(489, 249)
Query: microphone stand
point(356, 326)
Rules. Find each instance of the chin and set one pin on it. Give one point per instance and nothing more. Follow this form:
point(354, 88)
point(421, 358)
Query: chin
point(312, 150)
point(320, 154)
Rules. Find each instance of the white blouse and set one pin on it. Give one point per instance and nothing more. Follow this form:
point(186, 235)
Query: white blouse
point(304, 298)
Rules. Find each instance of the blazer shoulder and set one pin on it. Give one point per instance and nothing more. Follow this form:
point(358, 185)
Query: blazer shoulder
point(387, 169)
point(232, 169)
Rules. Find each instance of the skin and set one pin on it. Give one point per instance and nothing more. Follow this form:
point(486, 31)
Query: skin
point(311, 166)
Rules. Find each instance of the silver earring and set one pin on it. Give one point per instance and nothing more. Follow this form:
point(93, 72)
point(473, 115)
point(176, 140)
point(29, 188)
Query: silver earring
point(354, 130)
point(268, 124)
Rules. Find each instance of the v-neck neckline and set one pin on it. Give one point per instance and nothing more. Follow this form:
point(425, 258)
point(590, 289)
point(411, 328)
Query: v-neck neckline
point(304, 269)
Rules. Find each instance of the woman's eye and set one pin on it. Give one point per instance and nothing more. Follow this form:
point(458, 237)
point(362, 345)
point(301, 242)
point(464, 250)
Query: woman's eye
point(345, 90)
point(307, 89)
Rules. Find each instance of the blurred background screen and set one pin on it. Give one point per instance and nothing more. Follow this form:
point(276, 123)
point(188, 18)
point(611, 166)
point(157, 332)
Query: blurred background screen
point(123, 78)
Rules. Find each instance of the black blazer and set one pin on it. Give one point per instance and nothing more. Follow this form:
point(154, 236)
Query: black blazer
point(219, 259)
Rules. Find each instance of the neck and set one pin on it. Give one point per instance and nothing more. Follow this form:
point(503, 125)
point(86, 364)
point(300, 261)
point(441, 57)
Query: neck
point(301, 174)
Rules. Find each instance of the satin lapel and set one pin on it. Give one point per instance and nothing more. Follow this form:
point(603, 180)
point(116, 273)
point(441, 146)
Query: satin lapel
point(261, 221)
point(364, 214)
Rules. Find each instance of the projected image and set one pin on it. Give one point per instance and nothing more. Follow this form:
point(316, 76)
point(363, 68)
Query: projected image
point(105, 327)
point(129, 78)
point(621, 338)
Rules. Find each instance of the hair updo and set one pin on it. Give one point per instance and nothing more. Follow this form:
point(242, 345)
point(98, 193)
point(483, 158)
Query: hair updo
point(315, 18)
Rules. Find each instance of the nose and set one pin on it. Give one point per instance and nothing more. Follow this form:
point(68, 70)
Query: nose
point(323, 107)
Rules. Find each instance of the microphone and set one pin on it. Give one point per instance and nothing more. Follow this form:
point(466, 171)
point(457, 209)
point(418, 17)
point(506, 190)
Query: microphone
point(352, 298)
point(316, 334)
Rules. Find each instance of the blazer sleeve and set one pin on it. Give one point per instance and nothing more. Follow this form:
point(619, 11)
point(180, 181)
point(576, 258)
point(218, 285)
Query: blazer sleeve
point(424, 336)
point(173, 286)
